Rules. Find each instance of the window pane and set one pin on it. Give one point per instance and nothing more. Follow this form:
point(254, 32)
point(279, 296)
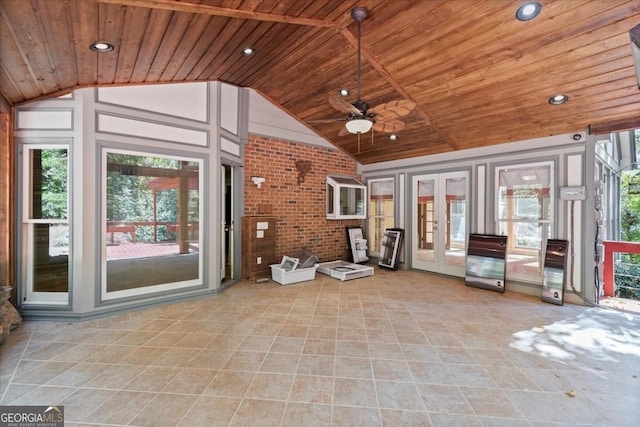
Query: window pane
point(152, 223)
point(50, 257)
point(49, 171)
point(524, 212)
point(381, 211)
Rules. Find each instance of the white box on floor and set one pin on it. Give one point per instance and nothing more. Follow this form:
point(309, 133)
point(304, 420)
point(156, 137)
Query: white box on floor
point(344, 270)
point(287, 277)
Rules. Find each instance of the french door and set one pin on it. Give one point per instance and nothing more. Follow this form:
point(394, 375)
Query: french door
point(438, 223)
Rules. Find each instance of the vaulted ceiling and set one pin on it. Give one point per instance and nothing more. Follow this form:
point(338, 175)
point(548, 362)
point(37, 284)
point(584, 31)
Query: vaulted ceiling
point(477, 75)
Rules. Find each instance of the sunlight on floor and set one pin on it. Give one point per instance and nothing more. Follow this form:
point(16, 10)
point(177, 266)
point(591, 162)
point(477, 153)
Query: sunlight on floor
point(621, 304)
point(602, 334)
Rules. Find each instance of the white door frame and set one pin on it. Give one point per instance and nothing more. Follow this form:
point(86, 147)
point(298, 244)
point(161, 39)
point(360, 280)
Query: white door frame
point(438, 262)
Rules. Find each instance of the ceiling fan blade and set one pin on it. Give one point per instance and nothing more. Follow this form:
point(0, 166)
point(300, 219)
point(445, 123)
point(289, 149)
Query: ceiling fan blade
point(393, 109)
point(388, 126)
point(343, 106)
point(343, 132)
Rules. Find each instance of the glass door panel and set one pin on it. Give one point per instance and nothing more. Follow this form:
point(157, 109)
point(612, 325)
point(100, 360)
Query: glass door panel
point(455, 220)
point(426, 223)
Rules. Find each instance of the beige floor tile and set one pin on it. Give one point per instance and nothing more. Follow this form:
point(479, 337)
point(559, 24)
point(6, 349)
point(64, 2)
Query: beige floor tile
point(256, 343)
point(429, 372)
point(283, 363)
point(399, 395)
point(489, 402)
point(82, 402)
point(229, 384)
point(194, 340)
point(209, 359)
point(270, 386)
point(144, 356)
point(115, 376)
point(352, 367)
point(397, 370)
point(111, 354)
point(311, 364)
point(444, 398)
point(258, 413)
point(153, 378)
point(211, 412)
point(312, 389)
point(176, 357)
point(164, 339)
point(287, 345)
point(395, 417)
point(245, 361)
point(190, 381)
point(306, 414)
point(356, 416)
point(320, 347)
point(164, 410)
point(78, 375)
point(354, 392)
point(120, 408)
point(44, 395)
point(43, 372)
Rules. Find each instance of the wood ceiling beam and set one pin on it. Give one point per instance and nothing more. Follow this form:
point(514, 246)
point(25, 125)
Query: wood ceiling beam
point(397, 87)
point(614, 126)
point(203, 9)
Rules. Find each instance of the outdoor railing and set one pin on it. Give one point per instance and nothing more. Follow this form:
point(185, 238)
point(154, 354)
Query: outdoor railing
point(610, 247)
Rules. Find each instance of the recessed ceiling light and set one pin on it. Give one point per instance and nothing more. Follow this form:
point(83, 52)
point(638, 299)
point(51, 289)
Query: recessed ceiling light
point(248, 51)
point(393, 137)
point(101, 47)
point(528, 11)
point(343, 92)
point(558, 99)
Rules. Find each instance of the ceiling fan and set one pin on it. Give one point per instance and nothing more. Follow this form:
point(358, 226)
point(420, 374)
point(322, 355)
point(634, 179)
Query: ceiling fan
point(362, 119)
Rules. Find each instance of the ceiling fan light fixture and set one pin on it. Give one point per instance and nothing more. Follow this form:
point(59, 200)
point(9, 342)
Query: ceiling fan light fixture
point(101, 47)
point(558, 99)
point(357, 126)
point(528, 11)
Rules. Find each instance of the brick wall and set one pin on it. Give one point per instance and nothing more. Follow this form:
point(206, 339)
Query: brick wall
point(300, 209)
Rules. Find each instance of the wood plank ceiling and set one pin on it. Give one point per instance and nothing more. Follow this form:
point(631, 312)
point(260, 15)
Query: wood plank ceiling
point(477, 75)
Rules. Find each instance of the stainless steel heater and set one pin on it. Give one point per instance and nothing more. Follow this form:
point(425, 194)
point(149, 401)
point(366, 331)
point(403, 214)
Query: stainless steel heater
point(486, 263)
point(553, 274)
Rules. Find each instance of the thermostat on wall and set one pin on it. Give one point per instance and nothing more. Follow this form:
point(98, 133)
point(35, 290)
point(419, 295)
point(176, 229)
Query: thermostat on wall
point(572, 193)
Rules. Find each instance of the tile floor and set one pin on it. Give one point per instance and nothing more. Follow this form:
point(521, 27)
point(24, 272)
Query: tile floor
point(395, 349)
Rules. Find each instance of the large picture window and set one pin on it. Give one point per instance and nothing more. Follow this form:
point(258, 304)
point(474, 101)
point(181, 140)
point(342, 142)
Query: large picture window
point(152, 220)
point(381, 211)
point(524, 213)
